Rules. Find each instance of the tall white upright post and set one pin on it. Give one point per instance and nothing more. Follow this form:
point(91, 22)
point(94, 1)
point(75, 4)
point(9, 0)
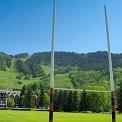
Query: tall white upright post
point(110, 69)
point(52, 65)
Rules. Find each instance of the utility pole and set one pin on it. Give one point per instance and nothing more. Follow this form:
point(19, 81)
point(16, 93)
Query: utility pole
point(110, 69)
point(52, 65)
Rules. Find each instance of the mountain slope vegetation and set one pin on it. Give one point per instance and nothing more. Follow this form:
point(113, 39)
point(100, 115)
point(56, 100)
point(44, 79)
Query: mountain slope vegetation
point(72, 70)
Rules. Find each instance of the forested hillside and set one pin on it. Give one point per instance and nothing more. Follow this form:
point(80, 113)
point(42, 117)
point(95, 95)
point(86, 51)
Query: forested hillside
point(90, 61)
point(71, 69)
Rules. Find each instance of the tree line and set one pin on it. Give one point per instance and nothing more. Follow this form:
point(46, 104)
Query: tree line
point(72, 101)
point(68, 101)
point(89, 61)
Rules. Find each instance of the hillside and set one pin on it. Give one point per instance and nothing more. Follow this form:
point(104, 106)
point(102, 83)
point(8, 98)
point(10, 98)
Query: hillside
point(71, 70)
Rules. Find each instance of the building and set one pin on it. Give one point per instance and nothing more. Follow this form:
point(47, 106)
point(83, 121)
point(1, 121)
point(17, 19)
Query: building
point(15, 94)
point(3, 98)
point(4, 94)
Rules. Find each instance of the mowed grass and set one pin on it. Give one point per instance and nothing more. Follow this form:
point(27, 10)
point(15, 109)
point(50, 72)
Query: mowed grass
point(37, 116)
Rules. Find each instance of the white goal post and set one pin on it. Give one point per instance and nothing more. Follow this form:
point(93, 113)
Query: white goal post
point(112, 91)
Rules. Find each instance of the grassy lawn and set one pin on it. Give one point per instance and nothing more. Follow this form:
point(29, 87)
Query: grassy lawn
point(33, 116)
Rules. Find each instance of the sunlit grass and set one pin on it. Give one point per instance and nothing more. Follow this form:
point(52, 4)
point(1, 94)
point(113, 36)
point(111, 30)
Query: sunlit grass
point(37, 116)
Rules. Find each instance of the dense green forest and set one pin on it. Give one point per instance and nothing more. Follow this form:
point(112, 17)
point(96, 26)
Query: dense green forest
point(72, 70)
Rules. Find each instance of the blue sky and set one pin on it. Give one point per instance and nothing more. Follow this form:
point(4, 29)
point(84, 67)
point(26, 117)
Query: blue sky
point(25, 25)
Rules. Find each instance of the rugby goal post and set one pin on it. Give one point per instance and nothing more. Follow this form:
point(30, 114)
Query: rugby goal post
point(52, 69)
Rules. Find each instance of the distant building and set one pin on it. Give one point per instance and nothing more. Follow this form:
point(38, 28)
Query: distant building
point(4, 94)
point(15, 95)
point(3, 98)
point(12, 93)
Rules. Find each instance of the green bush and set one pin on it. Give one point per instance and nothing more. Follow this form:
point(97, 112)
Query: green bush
point(10, 102)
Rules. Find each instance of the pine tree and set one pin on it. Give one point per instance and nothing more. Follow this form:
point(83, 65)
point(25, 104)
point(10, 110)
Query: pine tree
point(69, 103)
point(21, 102)
point(120, 98)
point(59, 101)
point(96, 102)
point(55, 100)
point(42, 94)
point(65, 101)
point(75, 101)
point(23, 91)
point(84, 102)
point(28, 99)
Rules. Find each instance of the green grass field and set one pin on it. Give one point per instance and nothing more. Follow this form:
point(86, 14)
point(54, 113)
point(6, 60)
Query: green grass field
point(37, 116)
